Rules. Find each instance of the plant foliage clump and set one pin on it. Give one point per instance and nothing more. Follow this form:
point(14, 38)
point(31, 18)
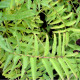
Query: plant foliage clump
point(40, 39)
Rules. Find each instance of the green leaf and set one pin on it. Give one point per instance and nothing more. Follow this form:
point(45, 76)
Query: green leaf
point(8, 68)
point(9, 46)
point(53, 3)
point(71, 54)
point(33, 67)
point(36, 46)
point(27, 21)
point(78, 19)
point(1, 14)
point(34, 7)
point(24, 65)
point(70, 66)
point(3, 44)
point(59, 8)
point(8, 17)
point(63, 44)
point(73, 29)
point(2, 29)
point(19, 15)
point(45, 3)
point(17, 2)
point(7, 61)
point(46, 52)
point(45, 77)
point(15, 60)
point(67, 38)
point(24, 14)
point(48, 67)
point(64, 66)
point(5, 4)
point(54, 47)
point(59, 45)
point(57, 67)
point(57, 27)
point(66, 17)
point(29, 45)
point(55, 22)
point(12, 4)
point(69, 7)
point(29, 4)
point(70, 23)
point(38, 1)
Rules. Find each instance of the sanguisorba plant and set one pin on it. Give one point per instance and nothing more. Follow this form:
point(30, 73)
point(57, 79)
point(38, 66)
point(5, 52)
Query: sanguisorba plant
point(39, 39)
